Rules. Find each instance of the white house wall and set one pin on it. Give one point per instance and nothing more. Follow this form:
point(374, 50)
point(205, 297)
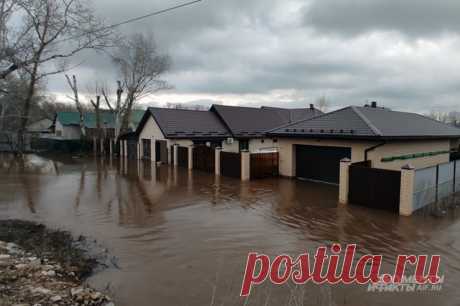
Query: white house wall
point(153, 132)
point(68, 132)
point(256, 145)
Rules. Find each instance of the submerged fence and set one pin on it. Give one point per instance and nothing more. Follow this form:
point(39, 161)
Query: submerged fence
point(436, 183)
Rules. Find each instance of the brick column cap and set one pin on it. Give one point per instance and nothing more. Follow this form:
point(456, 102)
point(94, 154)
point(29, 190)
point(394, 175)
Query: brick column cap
point(345, 160)
point(408, 167)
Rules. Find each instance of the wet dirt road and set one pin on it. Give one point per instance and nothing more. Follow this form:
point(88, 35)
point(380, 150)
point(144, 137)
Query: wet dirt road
point(182, 238)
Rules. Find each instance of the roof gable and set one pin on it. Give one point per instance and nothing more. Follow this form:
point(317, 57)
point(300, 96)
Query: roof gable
point(180, 123)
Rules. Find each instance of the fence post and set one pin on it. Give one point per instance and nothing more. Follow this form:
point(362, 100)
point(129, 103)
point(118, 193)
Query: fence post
point(406, 198)
point(190, 157)
point(455, 174)
point(245, 165)
point(217, 161)
point(176, 155)
point(344, 180)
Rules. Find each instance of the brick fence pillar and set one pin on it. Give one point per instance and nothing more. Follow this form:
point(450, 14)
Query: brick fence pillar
point(245, 165)
point(344, 181)
point(406, 199)
point(217, 161)
point(190, 157)
point(176, 155)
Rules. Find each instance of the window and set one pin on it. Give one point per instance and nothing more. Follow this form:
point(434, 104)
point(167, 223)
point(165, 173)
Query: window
point(262, 141)
point(275, 140)
point(59, 133)
point(244, 145)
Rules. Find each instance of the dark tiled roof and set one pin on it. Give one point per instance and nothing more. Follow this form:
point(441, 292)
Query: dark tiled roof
point(367, 123)
point(295, 114)
point(179, 123)
point(249, 122)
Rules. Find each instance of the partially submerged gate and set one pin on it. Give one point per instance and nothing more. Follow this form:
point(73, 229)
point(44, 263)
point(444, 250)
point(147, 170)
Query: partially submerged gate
point(161, 151)
point(132, 149)
point(230, 164)
point(374, 188)
point(182, 157)
point(264, 165)
point(204, 158)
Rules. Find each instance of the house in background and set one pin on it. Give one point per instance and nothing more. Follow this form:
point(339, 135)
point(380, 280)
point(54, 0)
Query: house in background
point(248, 125)
point(67, 124)
point(41, 128)
point(161, 130)
point(386, 139)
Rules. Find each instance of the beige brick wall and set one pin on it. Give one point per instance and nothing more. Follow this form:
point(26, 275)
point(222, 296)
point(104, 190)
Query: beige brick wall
point(395, 148)
point(410, 147)
point(255, 145)
point(287, 151)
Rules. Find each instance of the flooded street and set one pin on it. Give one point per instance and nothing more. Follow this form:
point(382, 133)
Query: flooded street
point(182, 237)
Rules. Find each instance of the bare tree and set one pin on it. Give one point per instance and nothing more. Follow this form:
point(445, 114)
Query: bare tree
point(52, 31)
point(118, 108)
point(140, 66)
point(322, 104)
point(76, 98)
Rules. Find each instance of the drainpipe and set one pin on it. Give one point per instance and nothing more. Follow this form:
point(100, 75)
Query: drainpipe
point(372, 149)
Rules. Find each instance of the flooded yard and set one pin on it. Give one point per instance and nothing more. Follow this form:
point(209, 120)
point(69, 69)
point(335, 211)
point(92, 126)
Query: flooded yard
point(181, 237)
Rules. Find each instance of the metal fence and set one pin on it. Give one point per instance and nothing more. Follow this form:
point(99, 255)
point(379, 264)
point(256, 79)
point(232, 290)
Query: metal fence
point(436, 183)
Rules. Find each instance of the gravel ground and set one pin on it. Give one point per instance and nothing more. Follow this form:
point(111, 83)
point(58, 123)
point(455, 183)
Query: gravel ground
point(39, 266)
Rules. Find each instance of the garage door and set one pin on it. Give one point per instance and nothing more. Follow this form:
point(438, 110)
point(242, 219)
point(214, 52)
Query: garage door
point(320, 163)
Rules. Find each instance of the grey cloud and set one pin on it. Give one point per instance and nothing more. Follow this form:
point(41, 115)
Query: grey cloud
point(244, 48)
point(414, 18)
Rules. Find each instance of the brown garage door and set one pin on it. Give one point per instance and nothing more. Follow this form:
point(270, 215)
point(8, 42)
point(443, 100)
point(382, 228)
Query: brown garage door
point(182, 157)
point(204, 158)
point(375, 188)
point(264, 165)
point(230, 164)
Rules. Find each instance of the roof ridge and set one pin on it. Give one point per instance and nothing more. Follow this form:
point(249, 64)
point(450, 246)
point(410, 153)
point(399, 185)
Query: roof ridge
point(177, 109)
point(367, 121)
point(303, 120)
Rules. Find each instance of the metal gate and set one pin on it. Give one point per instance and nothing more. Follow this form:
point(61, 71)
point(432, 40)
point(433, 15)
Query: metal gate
point(204, 158)
point(146, 148)
point(374, 188)
point(230, 164)
point(320, 163)
point(182, 157)
point(264, 165)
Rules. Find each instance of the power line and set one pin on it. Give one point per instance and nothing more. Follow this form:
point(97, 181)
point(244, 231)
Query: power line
point(115, 25)
point(152, 14)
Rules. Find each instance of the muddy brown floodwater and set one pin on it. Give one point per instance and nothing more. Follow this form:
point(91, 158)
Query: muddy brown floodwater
point(181, 238)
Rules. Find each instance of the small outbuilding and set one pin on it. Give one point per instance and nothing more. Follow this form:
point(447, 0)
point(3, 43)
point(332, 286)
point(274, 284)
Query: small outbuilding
point(169, 136)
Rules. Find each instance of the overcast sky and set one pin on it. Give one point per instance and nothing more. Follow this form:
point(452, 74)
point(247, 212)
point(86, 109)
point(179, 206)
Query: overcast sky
point(405, 54)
